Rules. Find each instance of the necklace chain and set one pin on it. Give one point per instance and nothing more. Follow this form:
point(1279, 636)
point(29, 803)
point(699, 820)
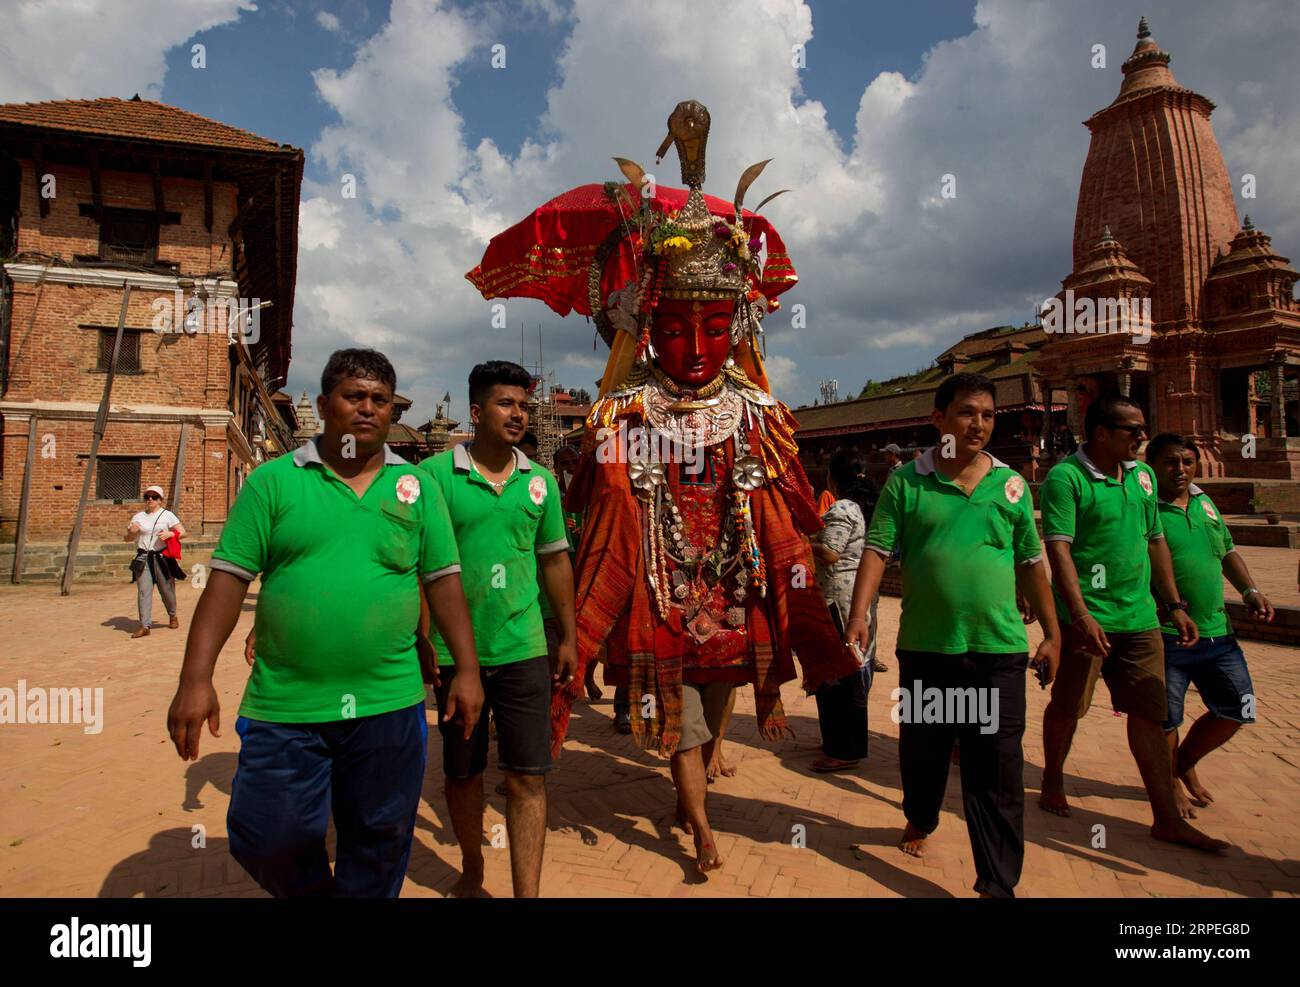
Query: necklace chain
point(497, 485)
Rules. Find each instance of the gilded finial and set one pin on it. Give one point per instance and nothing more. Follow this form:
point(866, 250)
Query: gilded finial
point(688, 130)
point(1143, 30)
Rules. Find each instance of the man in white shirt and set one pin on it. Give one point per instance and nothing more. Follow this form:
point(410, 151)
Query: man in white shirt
point(151, 529)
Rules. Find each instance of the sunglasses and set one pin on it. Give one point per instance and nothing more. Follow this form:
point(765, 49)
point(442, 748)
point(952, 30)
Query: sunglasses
point(152, 496)
point(1131, 429)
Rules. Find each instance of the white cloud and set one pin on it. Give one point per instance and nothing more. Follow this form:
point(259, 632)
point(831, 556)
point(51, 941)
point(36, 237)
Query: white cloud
point(328, 21)
point(891, 272)
point(83, 49)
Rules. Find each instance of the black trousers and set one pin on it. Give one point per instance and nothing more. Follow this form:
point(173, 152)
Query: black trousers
point(992, 759)
point(842, 709)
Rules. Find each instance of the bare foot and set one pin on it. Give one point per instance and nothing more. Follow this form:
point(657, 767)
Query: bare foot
point(1052, 799)
point(717, 766)
point(1180, 832)
point(470, 885)
point(707, 857)
point(593, 690)
point(912, 842)
point(1184, 804)
point(1197, 792)
point(682, 822)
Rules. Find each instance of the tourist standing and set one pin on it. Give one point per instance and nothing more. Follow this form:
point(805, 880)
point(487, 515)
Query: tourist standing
point(151, 530)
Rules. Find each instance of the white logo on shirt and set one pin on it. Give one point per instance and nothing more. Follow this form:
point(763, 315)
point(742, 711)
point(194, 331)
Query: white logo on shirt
point(1144, 482)
point(1014, 489)
point(537, 489)
point(408, 489)
point(1209, 509)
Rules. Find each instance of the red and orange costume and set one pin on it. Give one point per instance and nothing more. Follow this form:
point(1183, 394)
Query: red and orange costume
point(691, 566)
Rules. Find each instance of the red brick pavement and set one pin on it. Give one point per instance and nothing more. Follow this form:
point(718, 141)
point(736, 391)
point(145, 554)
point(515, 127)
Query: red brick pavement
point(115, 813)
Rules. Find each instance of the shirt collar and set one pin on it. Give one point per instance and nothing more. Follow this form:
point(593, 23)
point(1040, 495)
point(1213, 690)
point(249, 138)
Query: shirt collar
point(308, 453)
point(1091, 467)
point(1192, 491)
point(460, 459)
point(925, 465)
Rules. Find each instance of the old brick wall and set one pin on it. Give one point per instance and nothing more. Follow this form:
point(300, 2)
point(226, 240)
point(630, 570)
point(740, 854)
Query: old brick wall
point(54, 353)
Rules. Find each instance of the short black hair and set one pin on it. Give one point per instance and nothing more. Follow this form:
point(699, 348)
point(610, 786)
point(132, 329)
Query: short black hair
point(1169, 440)
point(963, 383)
point(529, 439)
point(1103, 411)
point(485, 376)
point(357, 363)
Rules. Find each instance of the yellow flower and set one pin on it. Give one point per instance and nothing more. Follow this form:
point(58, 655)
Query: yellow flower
point(675, 244)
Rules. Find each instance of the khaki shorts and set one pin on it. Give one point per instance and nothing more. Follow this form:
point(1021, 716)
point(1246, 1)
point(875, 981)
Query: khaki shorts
point(702, 709)
point(1134, 672)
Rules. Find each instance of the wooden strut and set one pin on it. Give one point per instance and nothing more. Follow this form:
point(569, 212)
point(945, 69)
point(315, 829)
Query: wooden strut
point(177, 472)
point(20, 544)
point(101, 423)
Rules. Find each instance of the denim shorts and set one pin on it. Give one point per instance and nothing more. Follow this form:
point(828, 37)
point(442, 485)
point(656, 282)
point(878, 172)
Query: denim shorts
point(1216, 666)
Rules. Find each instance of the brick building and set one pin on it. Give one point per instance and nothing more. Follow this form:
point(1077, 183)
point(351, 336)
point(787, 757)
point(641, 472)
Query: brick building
point(200, 219)
point(898, 410)
point(1156, 225)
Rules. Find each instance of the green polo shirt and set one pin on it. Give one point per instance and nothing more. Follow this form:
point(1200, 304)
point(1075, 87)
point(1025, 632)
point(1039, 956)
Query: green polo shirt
point(958, 556)
point(1199, 541)
point(339, 602)
point(500, 537)
point(1108, 524)
point(572, 529)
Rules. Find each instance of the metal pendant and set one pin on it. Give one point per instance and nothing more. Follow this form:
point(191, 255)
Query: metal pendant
point(645, 475)
point(748, 473)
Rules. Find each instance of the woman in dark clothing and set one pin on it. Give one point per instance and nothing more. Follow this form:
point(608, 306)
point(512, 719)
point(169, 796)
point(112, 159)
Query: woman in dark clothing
point(842, 705)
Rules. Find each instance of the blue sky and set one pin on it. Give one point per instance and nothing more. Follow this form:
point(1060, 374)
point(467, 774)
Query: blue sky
point(274, 51)
point(448, 150)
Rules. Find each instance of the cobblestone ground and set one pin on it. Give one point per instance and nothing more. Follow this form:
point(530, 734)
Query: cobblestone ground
point(114, 813)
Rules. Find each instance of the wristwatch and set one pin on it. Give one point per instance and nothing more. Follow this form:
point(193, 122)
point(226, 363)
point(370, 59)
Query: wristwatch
point(1247, 592)
point(1177, 605)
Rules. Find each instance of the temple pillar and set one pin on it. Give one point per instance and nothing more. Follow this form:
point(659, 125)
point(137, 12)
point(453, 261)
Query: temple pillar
point(1277, 396)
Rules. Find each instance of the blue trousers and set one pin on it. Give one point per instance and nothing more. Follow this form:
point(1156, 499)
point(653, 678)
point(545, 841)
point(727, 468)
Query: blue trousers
point(368, 771)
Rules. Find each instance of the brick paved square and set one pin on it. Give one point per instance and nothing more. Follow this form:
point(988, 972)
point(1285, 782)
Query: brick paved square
point(114, 813)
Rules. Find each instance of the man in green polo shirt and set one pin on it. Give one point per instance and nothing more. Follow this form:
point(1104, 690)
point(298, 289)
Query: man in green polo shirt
point(1108, 553)
point(1203, 554)
point(343, 533)
point(510, 529)
point(963, 525)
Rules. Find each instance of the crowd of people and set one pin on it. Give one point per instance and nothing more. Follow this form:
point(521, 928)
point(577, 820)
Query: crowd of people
point(380, 578)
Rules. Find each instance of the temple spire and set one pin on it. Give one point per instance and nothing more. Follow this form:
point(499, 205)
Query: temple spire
point(1148, 66)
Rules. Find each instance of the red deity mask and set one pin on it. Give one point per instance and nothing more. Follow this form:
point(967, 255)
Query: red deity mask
point(692, 339)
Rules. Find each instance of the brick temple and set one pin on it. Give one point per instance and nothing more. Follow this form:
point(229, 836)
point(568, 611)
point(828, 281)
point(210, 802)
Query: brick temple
point(1156, 225)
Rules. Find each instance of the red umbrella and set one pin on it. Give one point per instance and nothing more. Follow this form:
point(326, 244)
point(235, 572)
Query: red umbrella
point(549, 254)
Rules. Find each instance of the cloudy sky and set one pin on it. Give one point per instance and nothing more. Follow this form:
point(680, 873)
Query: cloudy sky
point(448, 149)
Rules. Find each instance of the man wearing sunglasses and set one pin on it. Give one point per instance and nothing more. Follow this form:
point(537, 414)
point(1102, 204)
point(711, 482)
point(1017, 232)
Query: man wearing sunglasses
point(1104, 540)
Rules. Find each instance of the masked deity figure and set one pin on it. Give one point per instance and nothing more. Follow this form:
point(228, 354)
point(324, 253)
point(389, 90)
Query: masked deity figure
point(692, 569)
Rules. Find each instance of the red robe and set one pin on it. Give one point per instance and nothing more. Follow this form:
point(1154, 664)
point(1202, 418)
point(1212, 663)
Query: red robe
point(653, 656)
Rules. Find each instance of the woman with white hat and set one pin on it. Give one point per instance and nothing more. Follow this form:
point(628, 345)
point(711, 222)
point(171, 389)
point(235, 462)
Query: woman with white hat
point(151, 529)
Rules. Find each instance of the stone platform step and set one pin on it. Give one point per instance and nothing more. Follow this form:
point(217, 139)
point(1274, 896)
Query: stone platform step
point(97, 562)
point(1251, 529)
